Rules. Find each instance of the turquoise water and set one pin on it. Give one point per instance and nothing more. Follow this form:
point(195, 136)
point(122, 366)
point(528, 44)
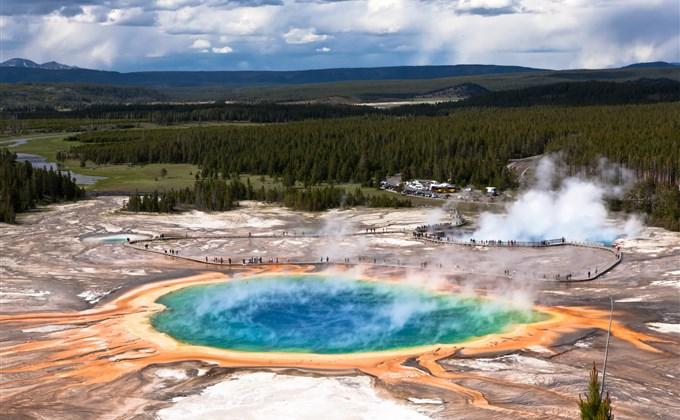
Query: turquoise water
point(113, 238)
point(326, 314)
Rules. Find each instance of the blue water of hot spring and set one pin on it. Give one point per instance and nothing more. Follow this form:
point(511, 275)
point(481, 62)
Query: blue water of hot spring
point(327, 314)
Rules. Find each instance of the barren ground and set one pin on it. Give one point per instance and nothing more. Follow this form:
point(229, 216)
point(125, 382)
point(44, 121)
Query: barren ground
point(59, 260)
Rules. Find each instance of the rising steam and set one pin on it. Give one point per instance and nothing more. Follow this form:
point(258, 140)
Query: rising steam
point(559, 206)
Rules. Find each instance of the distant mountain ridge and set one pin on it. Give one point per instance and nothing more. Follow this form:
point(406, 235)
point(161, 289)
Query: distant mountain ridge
point(378, 82)
point(651, 64)
point(20, 70)
point(29, 64)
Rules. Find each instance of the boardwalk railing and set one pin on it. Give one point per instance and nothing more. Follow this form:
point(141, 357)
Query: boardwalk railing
point(496, 243)
point(143, 245)
point(164, 237)
point(560, 277)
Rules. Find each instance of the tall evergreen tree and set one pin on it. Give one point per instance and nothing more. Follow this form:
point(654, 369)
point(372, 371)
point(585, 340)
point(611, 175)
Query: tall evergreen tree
point(22, 187)
point(594, 407)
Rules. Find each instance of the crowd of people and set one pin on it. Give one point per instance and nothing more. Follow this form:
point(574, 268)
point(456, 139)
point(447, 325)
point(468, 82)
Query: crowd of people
point(421, 232)
point(440, 236)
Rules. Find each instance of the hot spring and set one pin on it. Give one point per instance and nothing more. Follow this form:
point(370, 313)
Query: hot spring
point(115, 238)
point(327, 314)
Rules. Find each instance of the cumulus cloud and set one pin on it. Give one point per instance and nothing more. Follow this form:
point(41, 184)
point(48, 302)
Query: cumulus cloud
point(222, 50)
point(303, 36)
point(134, 16)
point(200, 44)
point(269, 33)
point(84, 44)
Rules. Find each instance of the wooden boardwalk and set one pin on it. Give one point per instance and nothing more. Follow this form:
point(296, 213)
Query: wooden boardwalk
point(142, 245)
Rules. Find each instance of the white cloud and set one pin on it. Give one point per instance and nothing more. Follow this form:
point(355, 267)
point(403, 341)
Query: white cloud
point(486, 4)
point(267, 33)
point(134, 16)
point(87, 45)
point(89, 14)
point(303, 36)
point(204, 19)
point(172, 4)
point(222, 50)
point(200, 44)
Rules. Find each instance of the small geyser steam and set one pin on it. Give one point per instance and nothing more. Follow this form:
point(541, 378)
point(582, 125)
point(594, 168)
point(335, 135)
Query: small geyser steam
point(328, 314)
point(562, 206)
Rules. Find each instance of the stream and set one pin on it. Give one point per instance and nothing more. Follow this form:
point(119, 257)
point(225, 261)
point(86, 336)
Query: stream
point(40, 162)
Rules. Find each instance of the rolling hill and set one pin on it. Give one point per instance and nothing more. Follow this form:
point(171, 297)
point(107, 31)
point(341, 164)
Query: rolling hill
point(22, 79)
point(31, 73)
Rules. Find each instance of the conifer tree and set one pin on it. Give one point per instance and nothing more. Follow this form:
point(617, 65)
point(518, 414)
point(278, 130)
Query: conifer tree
point(594, 407)
point(22, 187)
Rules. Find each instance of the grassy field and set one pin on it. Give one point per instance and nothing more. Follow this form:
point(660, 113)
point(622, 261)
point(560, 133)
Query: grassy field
point(46, 146)
point(142, 178)
point(118, 178)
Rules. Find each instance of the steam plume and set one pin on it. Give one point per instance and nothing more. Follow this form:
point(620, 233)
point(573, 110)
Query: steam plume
point(557, 206)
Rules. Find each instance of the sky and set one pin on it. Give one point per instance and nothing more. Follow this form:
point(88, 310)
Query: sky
point(134, 35)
